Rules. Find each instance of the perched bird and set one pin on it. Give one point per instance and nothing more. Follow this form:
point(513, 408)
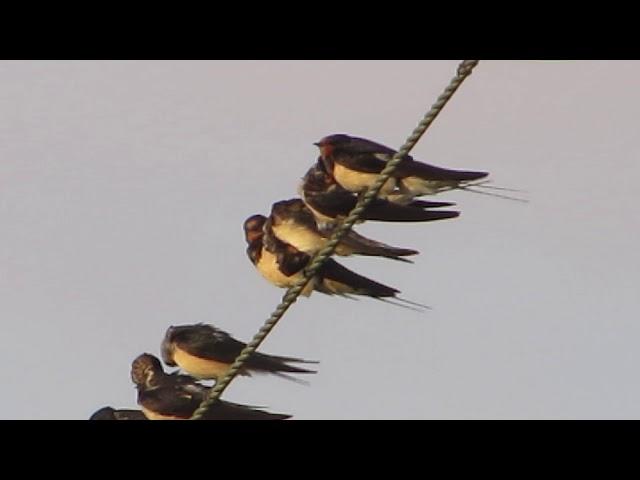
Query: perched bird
point(175, 397)
point(265, 261)
point(293, 223)
point(108, 413)
point(356, 162)
point(330, 203)
point(206, 352)
point(283, 265)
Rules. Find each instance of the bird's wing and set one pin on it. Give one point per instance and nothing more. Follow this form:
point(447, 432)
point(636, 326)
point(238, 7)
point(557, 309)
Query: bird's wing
point(354, 283)
point(210, 344)
point(382, 210)
point(291, 260)
point(360, 162)
point(334, 203)
point(411, 168)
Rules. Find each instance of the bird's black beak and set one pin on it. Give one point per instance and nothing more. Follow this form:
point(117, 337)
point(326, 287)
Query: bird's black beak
point(317, 144)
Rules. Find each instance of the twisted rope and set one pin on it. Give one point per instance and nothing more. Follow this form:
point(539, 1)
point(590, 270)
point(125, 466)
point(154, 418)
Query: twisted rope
point(464, 70)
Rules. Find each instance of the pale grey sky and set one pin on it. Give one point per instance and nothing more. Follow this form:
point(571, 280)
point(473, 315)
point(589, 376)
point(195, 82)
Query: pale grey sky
point(124, 185)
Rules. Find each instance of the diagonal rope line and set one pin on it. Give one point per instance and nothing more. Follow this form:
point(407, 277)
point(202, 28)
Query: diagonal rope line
point(464, 70)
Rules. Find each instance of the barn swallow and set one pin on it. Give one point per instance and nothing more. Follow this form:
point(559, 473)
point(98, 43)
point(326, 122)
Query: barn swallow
point(331, 203)
point(293, 223)
point(206, 352)
point(283, 265)
point(175, 397)
point(356, 162)
point(108, 413)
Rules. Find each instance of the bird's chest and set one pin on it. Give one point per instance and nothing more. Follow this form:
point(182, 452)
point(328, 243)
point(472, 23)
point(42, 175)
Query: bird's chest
point(269, 268)
point(303, 238)
point(357, 182)
point(199, 367)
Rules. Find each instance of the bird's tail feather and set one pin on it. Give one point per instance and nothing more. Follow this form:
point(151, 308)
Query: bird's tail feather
point(362, 245)
point(341, 280)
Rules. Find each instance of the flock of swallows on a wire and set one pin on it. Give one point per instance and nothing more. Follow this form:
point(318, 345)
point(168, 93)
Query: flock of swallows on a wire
point(280, 247)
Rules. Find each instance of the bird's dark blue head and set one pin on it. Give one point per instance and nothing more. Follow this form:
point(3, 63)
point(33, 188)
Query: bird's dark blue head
point(329, 143)
point(253, 227)
point(317, 179)
point(144, 368)
point(335, 140)
point(167, 347)
point(283, 208)
point(105, 413)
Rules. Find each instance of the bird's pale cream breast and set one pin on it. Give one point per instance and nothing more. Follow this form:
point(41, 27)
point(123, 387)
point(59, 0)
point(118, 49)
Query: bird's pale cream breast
point(201, 368)
point(303, 238)
point(355, 181)
point(269, 269)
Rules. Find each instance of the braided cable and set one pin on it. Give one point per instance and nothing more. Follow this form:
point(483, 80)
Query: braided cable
point(464, 70)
